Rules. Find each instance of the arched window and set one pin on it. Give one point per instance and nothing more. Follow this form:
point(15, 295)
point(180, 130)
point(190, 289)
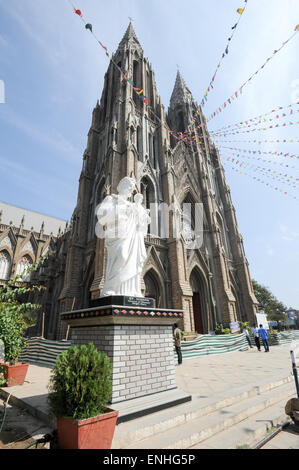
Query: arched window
point(23, 264)
point(135, 79)
point(155, 151)
point(152, 288)
point(181, 123)
point(139, 143)
point(148, 191)
point(4, 265)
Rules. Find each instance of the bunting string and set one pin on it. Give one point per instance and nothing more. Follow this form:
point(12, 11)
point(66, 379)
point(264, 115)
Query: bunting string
point(240, 12)
point(245, 124)
point(259, 152)
point(271, 162)
point(239, 91)
point(260, 180)
point(224, 134)
point(269, 172)
point(276, 141)
point(262, 118)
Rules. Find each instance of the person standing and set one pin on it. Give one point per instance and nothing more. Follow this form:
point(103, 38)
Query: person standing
point(178, 342)
point(247, 336)
point(264, 335)
point(255, 332)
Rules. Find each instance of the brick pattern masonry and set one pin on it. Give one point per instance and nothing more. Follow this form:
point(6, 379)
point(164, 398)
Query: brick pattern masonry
point(142, 356)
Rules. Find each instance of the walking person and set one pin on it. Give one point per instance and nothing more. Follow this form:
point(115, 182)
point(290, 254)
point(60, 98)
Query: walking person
point(264, 335)
point(255, 332)
point(247, 336)
point(178, 342)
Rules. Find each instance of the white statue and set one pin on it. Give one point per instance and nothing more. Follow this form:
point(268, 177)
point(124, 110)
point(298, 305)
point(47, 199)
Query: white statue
point(125, 226)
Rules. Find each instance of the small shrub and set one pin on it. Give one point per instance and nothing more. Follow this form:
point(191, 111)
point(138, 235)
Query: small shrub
point(80, 384)
point(226, 331)
point(219, 329)
point(2, 379)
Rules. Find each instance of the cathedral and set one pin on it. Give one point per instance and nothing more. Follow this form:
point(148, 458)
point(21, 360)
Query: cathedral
point(211, 283)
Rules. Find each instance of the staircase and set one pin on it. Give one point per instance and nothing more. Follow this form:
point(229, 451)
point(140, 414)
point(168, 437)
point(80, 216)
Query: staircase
point(223, 422)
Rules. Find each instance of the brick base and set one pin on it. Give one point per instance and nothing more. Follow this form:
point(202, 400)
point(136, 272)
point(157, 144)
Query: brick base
point(142, 357)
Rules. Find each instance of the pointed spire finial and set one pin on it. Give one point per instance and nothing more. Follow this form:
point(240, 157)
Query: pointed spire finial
point(130, 35)
point(181, 92)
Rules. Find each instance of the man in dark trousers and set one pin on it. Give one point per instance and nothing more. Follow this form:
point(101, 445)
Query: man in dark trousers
point(178, 342)
point(255, 333)
point(264, 335)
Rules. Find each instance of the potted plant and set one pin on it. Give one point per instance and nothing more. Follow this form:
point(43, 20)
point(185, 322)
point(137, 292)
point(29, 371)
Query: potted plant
point(16, 315)
point(79, 389)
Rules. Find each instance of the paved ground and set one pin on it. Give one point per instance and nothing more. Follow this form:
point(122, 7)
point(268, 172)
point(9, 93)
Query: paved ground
point(204, 377)
point(286, 439)
point(19, 429)
point(209, 375)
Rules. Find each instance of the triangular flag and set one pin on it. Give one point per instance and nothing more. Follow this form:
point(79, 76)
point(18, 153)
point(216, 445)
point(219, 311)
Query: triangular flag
point(88, 26)
point(240, 11)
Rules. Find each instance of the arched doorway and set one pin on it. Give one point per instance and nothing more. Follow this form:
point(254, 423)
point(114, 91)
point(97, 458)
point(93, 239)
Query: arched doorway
point(152, 289)
point(197, 289)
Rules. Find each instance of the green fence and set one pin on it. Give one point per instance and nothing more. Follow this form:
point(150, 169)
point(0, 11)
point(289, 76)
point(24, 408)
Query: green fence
point(283, 337)
point(43, 351)
point(213, 344)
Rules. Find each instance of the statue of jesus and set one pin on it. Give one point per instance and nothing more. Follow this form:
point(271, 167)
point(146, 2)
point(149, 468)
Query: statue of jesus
point(125, 225)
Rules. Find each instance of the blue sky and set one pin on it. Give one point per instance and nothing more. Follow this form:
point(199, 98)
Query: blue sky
point(53, 73)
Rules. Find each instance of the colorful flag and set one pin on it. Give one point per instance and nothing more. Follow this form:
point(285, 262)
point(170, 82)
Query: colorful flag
point(78, 12)
point(88, 26)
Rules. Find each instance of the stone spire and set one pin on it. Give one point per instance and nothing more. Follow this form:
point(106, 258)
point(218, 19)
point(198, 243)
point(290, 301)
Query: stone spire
point(130, 37)
point(181, 93)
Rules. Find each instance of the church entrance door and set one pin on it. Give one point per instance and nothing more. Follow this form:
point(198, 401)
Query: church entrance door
point(196, 286)
point(197, 313)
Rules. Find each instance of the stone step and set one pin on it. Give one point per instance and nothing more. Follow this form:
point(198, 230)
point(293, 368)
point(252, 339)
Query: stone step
point(196, 430)
point(142, 406)
point(149, 426)
point(250, 431)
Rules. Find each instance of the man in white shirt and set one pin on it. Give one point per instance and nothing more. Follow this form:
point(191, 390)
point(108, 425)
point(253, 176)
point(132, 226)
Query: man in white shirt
point(255, 332)
point(247, 336)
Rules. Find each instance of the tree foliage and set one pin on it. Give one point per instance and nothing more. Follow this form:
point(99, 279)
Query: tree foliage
point(80, 385)
point(275, 309)
point(16, 315)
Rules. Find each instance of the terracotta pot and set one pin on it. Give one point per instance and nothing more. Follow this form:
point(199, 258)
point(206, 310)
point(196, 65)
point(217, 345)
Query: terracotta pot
point(91, 433)
point(15, 375)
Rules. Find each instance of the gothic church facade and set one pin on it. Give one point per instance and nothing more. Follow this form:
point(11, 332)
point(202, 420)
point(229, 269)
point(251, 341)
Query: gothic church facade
point(212, 283)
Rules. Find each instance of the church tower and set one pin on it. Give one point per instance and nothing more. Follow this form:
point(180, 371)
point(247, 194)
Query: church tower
point(131, 137)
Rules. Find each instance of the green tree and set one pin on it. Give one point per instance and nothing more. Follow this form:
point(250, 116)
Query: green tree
point(80, 384)
point(16, 314)
point(275, 309)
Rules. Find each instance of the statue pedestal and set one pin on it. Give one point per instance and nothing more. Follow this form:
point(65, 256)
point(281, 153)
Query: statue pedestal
point(145, 302)
point(138, 340)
